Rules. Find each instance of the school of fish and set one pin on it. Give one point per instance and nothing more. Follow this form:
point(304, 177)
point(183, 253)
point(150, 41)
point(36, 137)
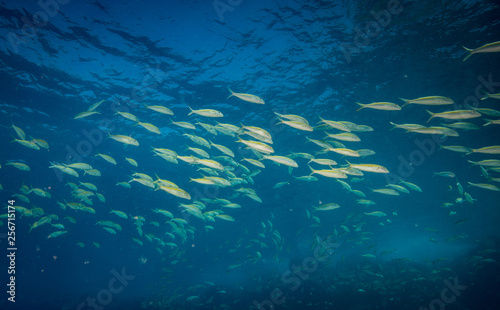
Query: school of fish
point(333, 154)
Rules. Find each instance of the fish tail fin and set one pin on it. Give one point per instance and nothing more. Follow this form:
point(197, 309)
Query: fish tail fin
point(485, 93)
point(470, 53)
point(360, 104)
point(393, 126)
point(407, 102)
point(232, 93)
point(432, 115)
point(312, 170)
point(488, 122)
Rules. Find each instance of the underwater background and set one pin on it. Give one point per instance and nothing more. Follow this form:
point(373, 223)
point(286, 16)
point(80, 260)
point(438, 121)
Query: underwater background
point(279, 237)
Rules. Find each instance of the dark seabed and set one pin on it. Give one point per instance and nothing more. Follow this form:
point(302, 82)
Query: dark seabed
point(208, 218)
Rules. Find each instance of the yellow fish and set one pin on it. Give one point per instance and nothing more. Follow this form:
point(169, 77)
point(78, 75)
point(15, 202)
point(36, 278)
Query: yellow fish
point(185, 125)
point(85, 114)
point(296, 125)
point(345, 136)
point(41, 143)
point(94, 106)
point(457, 114)
point(175, 191)
point(20, 133)
point(430, 100)
point(19, 166)
point(125, 139)
point(386, 106)
point(487, 150)
point(258, 146)
point(246, 97)
point(225, 217)
point(107, 158)
point(487, 48)
point(160, 109)
point(131, 161)
point(206, 112)
point(31, 145)
point(128, 116)
point(148, 127)
point(491, 187)
point(369, 168)
point(282, 160)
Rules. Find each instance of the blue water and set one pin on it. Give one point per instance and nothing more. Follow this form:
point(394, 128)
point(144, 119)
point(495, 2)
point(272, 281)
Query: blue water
point(308, 58)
